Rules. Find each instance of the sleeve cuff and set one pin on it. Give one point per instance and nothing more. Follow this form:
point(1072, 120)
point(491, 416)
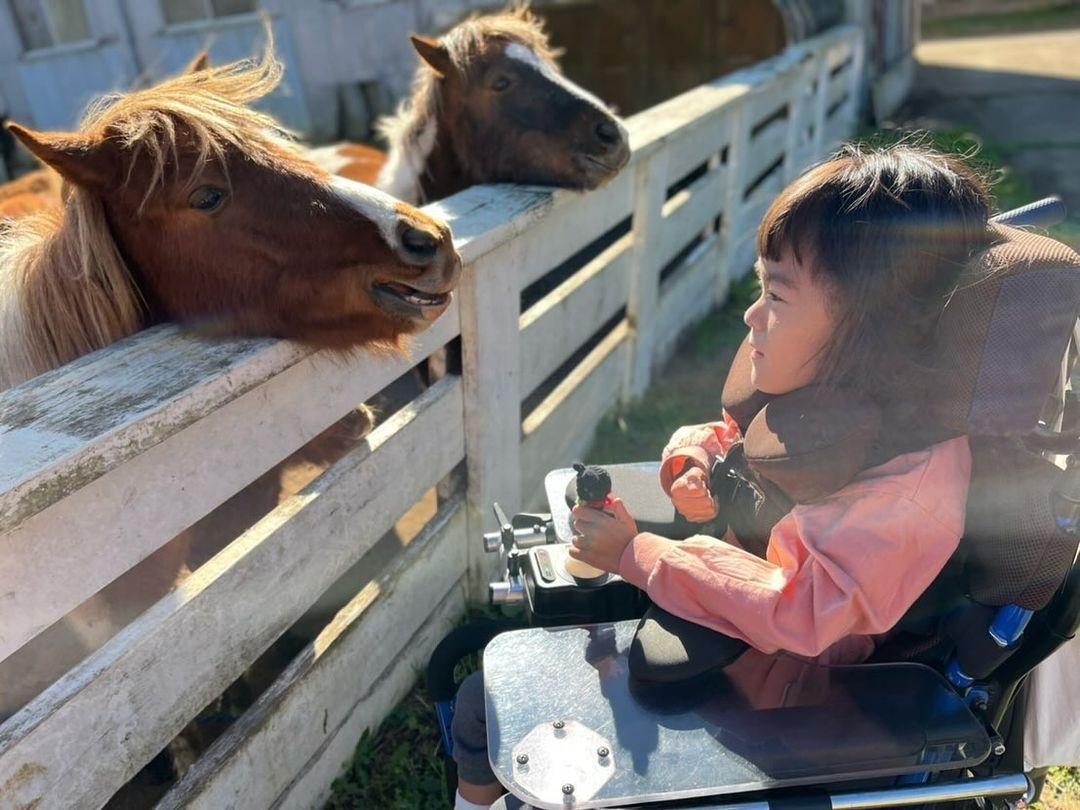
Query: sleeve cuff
point(677, 461)
point(640, 558)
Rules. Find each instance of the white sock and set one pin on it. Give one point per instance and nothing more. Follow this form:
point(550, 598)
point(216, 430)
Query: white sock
point(461, 803)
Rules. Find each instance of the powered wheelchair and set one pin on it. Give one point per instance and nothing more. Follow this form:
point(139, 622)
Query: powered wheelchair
point(604, 700)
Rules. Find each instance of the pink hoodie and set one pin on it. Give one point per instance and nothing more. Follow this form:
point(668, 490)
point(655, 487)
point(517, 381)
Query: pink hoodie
point(838, 570)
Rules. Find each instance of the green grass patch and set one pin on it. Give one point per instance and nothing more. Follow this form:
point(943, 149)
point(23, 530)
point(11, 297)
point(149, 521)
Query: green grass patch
point(1060, 16)
point(399, 765)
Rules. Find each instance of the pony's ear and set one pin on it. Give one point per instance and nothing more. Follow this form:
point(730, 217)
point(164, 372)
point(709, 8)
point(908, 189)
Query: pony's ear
point(81, 159)
point(200, 62)
point(434, 52)
point(521, 10)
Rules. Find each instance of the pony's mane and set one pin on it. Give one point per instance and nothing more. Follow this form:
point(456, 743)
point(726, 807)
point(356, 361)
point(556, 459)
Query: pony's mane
point(210, 106)
point(64, 287)
point(410, 131)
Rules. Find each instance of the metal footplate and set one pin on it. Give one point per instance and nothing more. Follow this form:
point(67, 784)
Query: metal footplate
point(568, 727)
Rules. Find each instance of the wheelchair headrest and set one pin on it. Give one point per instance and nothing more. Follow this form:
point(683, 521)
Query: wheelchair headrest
point(813, 441)
point(1004, 332)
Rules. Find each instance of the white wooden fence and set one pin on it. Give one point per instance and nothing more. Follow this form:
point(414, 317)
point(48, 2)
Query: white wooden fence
point(106, 459)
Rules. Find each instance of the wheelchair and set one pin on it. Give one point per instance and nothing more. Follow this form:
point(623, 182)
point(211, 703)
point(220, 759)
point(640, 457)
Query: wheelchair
point(594, 704)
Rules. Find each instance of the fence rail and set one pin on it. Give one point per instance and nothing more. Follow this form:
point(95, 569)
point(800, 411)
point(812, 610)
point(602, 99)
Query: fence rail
point(107, 458)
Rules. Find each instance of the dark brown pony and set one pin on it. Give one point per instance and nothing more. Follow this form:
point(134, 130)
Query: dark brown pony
point(184, 204)
point(490, 105)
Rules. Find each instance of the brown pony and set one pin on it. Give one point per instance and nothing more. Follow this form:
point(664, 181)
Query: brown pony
point(489, 105)
point(184, 204)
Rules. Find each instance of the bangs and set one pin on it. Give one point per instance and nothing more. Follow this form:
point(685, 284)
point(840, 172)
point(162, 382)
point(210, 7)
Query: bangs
point(800, 214)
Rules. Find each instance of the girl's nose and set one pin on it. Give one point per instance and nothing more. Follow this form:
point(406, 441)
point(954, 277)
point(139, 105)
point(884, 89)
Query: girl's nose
point(752, 316)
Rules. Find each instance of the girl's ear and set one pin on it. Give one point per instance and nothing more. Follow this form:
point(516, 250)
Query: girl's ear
point(85, 160)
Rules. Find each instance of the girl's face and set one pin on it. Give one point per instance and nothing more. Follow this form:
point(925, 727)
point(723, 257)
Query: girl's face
point(789, 326)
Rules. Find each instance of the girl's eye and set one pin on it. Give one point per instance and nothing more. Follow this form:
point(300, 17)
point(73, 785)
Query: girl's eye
point(500, 84)
point(773, 296)
point(207, 198)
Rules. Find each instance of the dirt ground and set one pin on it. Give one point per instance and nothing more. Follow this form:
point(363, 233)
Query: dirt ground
point(1021, 91)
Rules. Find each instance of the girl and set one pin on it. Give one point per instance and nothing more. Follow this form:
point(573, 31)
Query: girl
point(857, 258)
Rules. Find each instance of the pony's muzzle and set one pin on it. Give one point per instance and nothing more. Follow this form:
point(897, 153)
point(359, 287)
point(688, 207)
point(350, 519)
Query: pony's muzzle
point(426, 245)
point(430, 246)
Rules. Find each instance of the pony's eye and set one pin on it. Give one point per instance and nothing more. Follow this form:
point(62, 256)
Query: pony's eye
point(207, 198)
point(500, 84)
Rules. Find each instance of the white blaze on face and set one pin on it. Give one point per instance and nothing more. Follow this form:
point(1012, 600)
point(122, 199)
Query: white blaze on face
point(378, 206)
point(522, 53)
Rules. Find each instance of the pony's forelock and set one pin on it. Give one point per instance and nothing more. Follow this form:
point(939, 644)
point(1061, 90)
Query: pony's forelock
point(210, 107)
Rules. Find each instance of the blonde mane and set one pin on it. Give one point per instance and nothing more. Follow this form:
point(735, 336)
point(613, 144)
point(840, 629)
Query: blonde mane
point(64, 287)
point(411, 131)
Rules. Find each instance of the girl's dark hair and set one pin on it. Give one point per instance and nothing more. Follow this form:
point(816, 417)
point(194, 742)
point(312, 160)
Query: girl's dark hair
point(887, 230)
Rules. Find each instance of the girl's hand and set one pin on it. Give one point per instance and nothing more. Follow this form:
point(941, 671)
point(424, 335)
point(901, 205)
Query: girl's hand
point(600, 537)
point(690, 495)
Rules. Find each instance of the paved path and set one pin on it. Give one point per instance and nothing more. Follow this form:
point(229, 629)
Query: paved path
point(1022, 90)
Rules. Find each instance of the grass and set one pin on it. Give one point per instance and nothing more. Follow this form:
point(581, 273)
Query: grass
point(1061, 791)
point(399, 765)
point(1059, 16)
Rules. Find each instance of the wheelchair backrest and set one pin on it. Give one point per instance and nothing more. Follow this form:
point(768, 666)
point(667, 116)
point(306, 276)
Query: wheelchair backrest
point(1006, 334)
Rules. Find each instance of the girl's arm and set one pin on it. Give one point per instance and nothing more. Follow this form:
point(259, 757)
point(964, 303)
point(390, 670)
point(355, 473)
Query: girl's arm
point(851, 564)
point(696, 446)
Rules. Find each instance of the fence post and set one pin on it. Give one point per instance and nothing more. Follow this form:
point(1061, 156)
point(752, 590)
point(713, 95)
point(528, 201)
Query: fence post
point(794, 147)
point(650, 186)
point(492, 399)
point(731, 224)
point(856, 92)
point(821, 102)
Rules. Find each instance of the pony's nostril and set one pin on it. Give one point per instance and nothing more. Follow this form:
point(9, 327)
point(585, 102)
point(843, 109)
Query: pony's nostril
point(419, 244)
point(607, 132)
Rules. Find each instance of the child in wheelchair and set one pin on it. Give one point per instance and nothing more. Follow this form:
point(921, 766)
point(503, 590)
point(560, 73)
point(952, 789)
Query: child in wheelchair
point(857, 258)
point(829, 500)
